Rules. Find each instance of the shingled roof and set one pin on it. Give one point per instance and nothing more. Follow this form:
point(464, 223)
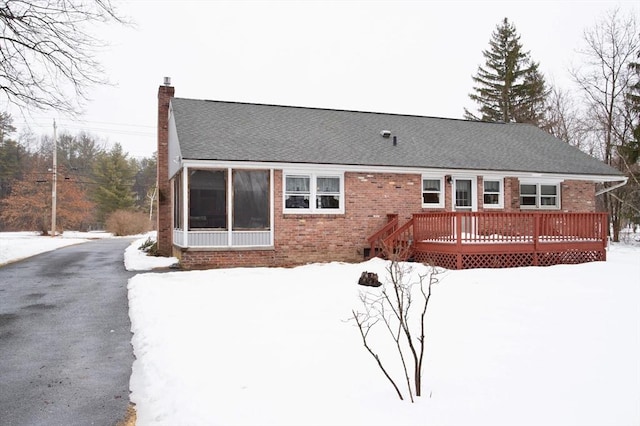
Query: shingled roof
point(231, 131)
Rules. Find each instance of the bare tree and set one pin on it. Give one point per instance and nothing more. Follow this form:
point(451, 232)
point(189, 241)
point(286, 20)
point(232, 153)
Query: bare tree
point(605, 81)
point(566, 121)
point(561, 116)
point(394, 305)
point(48, 52)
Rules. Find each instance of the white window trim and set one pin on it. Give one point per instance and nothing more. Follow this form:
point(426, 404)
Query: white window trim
point(439, 205)
point(313, 176)
point(500, 204)
point(538, 184)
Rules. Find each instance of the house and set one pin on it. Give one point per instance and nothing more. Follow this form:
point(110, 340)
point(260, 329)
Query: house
point(245, 184)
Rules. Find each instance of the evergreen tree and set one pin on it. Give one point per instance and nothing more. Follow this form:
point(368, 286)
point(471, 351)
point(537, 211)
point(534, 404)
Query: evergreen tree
point(11, 155)
point(114, 175)
point(78, 155)
point(632, 150)
point(509, 87)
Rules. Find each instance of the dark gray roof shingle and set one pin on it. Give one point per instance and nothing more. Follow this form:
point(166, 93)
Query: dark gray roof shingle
point(214, 130)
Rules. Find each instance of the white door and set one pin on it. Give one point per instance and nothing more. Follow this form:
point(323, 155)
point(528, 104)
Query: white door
point(464, 194)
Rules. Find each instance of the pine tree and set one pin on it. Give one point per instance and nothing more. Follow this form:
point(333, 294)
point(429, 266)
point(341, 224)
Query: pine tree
point(510, 87)
point(11, 155)
point(632, 150)
point(114, 176)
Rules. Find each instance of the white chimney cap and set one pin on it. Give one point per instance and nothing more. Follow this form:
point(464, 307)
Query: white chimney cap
point(167, 81)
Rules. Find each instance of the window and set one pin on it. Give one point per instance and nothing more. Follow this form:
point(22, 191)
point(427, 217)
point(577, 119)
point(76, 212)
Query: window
point(539, 196)
point(313, 193)
point(208, 199)
point(432, 192)
point(549, 195)
point(297, 192)
point(328, 193)
point(250, 199)
point(493, 193)
point(177, 203)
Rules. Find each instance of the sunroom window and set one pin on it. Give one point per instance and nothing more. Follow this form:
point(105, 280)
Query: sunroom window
point(326, 191)
point(208, 199)
point(223, 208)
point(250, 199)
point(177, 204)
point(432, 192)
point(539, 196)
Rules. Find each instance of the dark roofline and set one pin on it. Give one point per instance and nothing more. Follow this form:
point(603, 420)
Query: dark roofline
point(351, 110)
point(284, 137)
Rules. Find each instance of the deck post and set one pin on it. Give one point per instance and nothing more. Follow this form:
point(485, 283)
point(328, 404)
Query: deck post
point(458, 240)
point(536, 237)
point(604, 234)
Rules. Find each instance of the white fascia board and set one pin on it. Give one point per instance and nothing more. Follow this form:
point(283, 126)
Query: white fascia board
point(401, 170)
point(173, 148)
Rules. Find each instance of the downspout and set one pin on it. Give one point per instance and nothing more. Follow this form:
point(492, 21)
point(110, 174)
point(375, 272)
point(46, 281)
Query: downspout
point(604, 191)
point(611, 188)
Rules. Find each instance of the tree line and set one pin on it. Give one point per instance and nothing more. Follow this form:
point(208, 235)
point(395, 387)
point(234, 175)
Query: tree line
point(601, 116)
point(93, 181)
point(50, 47)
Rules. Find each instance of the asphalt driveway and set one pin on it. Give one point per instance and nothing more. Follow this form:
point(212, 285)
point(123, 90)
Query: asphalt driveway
point(65, 340)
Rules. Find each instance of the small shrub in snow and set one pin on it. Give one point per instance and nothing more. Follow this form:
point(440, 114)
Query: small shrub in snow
point(125, 222)
point(399, 306)
point(150, 246)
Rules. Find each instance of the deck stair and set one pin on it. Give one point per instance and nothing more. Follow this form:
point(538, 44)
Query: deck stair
point(393, 239)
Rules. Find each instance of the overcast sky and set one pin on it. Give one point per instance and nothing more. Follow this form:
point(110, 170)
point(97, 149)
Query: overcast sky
point(383, 56)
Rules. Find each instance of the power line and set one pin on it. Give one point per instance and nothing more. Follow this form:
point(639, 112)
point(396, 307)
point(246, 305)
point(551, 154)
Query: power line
point(68, 122)
point(96, 127)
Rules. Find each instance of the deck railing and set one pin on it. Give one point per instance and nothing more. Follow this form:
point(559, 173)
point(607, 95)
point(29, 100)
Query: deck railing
point(480, 239)
point(376, 240)
point(499, 227)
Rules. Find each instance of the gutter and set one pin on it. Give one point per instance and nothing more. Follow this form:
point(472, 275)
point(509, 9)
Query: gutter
point(611, 188)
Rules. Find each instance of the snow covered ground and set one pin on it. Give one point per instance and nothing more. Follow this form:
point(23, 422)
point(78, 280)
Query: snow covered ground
point(15, 246)
point(269, 346)
point(272, 346)
point(19, 245)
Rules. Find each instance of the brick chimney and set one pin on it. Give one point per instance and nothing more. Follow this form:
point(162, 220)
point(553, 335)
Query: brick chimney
point(165, 211)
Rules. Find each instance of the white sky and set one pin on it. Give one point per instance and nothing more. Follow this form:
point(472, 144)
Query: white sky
point(399, 57)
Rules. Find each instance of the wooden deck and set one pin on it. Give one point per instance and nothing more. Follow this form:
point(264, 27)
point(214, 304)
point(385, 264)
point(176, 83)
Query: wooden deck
point(462, 240)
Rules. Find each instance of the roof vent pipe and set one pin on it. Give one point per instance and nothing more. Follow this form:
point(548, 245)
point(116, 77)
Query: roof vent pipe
point(395, 141)
point(167, 81)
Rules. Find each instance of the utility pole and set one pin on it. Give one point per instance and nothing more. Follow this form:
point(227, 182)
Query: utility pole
point(55, 180)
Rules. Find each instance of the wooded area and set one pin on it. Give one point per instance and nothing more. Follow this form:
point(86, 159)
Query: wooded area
point(93, 181)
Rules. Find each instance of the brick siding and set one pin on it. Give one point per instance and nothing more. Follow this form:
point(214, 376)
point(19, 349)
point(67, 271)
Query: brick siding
point(308, 238)
point(578, 196)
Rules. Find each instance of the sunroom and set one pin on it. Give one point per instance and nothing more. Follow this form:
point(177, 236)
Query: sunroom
point(223, 207)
